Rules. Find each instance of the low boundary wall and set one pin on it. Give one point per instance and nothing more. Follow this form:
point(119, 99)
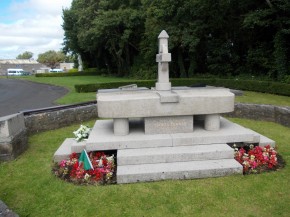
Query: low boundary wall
point(277, 114)
point(56, 117)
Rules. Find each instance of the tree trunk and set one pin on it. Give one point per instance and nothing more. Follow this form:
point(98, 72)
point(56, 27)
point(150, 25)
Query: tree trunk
point(181, 64)
point(192, 65)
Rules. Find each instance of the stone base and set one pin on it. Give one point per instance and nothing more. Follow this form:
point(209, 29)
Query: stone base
point(152, 157)
point(177, 170)
point(163, 86)
point(103, 138)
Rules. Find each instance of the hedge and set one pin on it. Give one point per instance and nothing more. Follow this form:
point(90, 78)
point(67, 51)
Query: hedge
point(86, 72)
point(249, 85)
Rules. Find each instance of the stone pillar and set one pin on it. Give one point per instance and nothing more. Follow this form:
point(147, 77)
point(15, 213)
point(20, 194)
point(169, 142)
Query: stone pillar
point(80, 62)
point(163, 58)
point(212, 122)
point(13, 136)
point(121, 126)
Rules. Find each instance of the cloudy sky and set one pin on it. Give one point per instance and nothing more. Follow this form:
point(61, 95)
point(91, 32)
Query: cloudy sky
point(30, 25)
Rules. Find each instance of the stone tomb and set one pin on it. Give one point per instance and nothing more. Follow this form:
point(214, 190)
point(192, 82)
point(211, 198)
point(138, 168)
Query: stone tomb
point(166, 132)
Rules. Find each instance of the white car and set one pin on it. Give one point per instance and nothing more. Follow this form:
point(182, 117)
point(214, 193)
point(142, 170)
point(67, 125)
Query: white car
point(14, 72)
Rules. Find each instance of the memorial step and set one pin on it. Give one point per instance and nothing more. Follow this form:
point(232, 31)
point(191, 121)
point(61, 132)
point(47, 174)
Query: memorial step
point(174, 154)
point(177, 170)
point(103, 138)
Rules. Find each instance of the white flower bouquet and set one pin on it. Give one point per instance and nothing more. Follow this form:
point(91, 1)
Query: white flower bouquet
point(82, 133)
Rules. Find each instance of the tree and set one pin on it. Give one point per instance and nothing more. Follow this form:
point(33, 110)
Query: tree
point(25, 55)
point(51, 58)
point(217, 37)
point(270, 38)
point(105, 33)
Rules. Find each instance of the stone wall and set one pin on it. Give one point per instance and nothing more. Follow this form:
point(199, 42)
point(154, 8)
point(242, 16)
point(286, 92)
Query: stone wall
point(277, 114)
point(57, 118)
point(14, 129)
point(60, 117)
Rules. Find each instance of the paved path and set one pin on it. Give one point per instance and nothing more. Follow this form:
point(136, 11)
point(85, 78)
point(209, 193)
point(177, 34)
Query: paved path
point(5, 211)
point(18, 95)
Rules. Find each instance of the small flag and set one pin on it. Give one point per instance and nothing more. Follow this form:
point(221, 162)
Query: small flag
point(84, 158)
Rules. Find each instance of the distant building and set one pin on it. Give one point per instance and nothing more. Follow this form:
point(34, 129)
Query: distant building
point(25, 64)
point(66, 66)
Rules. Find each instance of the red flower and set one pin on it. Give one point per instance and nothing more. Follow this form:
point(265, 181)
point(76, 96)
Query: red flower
point(76, 165)
point(97, 174)
point(105, 162)
point(73, 155)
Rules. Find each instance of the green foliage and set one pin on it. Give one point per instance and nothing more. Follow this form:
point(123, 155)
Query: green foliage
point(218, 37)
point(85, 88)
point(51, 58)
point(105, 33)
point(75, 97)
point(72, 72)
point(250, 85)
point(25, 55)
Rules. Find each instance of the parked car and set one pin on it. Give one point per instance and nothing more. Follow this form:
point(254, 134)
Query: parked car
point(55, 70)
point(26, 73)
point(14, 72)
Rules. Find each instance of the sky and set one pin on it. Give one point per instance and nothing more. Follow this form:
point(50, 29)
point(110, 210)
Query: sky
point(31, 25)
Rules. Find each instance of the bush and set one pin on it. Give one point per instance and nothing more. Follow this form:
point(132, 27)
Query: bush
point(72, 72)
point(85, 88)
point(287, 79)
point(249, 85)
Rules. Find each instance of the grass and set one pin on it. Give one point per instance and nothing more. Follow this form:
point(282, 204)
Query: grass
point(28, 187)
point(74, 97)
point(263, 98)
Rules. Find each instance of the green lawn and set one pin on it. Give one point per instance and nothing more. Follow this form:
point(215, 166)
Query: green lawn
point(263, 98)
point(69, 82)
point(28, 187)
point(74, 97)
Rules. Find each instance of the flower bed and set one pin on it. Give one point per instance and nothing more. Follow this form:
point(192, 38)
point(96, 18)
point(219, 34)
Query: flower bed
point(257, 159)
point(72, 170)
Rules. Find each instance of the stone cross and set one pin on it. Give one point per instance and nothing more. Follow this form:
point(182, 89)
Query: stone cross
point(163, 58)
point(80, 62)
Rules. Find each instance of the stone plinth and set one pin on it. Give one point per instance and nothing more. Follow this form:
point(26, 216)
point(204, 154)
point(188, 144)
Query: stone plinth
point(165, 111)
point(147, 103)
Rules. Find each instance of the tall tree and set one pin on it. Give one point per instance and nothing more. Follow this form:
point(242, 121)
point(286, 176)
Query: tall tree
point(269, 26)
point(51, 58)
point(25, 55)
point(105, 33)
point(218, 37)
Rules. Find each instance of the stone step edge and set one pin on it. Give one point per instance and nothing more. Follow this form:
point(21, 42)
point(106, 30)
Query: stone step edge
point(177, 170)
point(174, 154)
point(64, 151)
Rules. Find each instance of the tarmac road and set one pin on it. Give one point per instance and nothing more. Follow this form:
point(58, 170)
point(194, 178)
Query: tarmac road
point(18, 95)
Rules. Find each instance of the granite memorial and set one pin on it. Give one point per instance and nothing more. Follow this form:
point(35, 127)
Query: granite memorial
point(166, 132)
